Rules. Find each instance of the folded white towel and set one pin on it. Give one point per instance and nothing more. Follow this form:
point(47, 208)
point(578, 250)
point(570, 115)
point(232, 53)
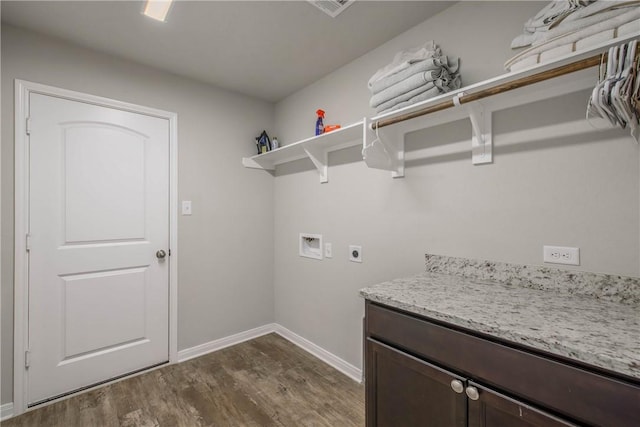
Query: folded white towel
point(525, 63)
point(598, 38)
point(397, 103)
point(564, 16)
point(412, 82)
point(409, 85)
point(628, 28)
point(404, 59)
point(598, 7)
point(588, 21)
point(435, 65)
point(572, 37)
point(550, 15)
point(572, 26)
point(417, 86)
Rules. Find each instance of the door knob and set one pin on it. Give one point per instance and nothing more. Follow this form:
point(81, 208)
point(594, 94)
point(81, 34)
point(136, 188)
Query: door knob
point(457, 386)
point(161, 254)
point(472, 393)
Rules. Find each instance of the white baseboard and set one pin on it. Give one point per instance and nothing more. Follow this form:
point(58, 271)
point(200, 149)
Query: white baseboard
point(322, 354)
point(6, 411)
point(219, 344)
point(315, 350)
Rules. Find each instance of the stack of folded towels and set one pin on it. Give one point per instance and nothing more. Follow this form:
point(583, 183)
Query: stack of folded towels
point(565, 26)
point(413, 76)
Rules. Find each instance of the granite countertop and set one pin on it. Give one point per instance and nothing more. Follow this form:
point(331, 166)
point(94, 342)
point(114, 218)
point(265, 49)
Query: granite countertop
point(599, 331)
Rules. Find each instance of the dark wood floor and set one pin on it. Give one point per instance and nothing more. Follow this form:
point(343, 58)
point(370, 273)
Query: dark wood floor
point(263, 382)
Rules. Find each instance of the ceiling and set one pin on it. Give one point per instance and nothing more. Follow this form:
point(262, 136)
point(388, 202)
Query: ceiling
point(265, 49)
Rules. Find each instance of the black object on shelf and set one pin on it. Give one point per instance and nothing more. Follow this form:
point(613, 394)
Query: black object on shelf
point(263, 142)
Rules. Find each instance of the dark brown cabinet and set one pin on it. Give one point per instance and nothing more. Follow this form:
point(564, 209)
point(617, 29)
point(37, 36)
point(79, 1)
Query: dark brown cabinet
point(420, 372)
point(406, 391)
point(491, 409)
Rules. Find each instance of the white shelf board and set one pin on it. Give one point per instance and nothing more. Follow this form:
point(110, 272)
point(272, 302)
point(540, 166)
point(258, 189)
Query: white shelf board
point(512, 76)
point(316, 148)
point(385, 149)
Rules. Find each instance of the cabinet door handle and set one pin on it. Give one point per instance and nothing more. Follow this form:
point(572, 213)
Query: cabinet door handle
point(472, 393)
point(457, 386)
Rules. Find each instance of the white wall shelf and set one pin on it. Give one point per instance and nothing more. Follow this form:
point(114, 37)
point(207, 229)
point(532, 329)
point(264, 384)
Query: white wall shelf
point(383, 146)
point(316, 148)
point(479, 112)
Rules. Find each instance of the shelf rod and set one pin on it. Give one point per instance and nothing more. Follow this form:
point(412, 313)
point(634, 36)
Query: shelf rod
point(501, 88)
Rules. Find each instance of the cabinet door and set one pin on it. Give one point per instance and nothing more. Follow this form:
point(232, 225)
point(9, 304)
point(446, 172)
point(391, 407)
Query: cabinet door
point(492, 409)
point(405, 391)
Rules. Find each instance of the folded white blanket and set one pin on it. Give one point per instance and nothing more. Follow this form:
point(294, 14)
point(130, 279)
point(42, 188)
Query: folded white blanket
point(573, 19)
point(576, 25)
point(552, 14)
point(404, 95)
point(409, 84)
point(405, 58)
point(435, 65)
point(431, 93)
point(395, 104)
point(598, 7)
point(562, 38)
point(414, 75)
point(418, 96)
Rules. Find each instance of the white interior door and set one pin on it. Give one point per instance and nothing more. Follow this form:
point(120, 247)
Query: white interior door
point(98, 213)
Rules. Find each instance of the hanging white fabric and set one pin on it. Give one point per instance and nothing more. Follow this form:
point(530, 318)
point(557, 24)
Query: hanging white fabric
point(616, 96)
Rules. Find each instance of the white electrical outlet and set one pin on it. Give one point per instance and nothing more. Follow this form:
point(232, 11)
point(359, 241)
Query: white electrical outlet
point(186, 207)
point(355, 253)
point(328, 250)
point(561, 255)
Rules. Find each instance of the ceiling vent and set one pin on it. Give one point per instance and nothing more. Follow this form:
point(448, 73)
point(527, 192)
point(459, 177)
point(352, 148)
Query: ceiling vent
point(332, 8)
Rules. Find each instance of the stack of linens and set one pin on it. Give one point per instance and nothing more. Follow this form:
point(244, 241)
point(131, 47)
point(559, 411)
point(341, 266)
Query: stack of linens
point(566, 26)
point(413, 76)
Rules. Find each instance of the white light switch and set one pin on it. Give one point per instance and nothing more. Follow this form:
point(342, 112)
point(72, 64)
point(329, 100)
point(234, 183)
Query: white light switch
point(186, 207)
point(328, 250)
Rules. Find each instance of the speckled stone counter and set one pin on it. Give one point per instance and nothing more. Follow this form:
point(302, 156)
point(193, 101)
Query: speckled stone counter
point(591, 318)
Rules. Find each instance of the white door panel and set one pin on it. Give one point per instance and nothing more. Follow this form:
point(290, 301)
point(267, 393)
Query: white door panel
point(98, 212)
point(104, 173)
point(88, 301)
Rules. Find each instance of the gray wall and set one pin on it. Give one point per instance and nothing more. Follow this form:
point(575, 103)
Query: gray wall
point(579, 189)
point(231, 227)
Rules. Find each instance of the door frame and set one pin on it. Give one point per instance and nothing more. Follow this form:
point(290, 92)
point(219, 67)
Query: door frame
point(23, 89)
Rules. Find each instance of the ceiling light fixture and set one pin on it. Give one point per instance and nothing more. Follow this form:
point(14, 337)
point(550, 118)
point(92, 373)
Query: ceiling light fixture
point(157, 9)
